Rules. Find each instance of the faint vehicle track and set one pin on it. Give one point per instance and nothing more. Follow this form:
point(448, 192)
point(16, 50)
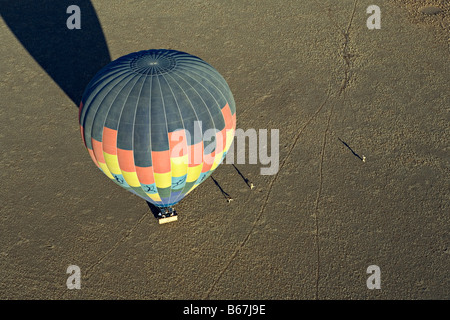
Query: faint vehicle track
point(266, 199)
point(347, 56)
point(114, 247)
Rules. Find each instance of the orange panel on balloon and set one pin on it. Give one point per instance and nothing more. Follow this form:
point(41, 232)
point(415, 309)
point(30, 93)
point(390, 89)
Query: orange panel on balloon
point(98, 150)
point(79, 109)
point(91, 153)
point(82, 134)
point(145, 175)
point(221, 136)
point(178, 143)
point(109, 140)
point(226, 112)
point(161, 161)
point(126, 160)
point(195, 153)
point(208, 161)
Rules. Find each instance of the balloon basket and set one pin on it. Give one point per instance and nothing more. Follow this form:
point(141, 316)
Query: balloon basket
point(167, 215)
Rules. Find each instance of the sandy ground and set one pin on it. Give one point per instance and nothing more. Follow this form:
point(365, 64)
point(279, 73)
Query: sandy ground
point(311, 69)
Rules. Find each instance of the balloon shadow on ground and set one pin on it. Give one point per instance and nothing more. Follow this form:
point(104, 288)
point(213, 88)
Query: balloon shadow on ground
point(70, 57)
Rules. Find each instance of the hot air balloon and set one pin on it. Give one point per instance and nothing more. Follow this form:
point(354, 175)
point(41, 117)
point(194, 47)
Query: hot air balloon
point(158, 123)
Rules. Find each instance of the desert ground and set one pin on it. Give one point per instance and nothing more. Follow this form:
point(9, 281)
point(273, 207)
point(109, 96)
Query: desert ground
point(337, 92)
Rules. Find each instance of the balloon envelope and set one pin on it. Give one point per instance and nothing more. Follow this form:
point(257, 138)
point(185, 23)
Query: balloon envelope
point(158, 123)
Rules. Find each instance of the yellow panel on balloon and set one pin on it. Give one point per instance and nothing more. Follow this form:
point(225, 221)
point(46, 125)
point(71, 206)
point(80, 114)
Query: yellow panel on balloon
point(179, 165)
point(217, 159)
point(154, 196)
point(193, 173)
point(105, 170)
point(163, 180)
point(112, 162)
point(230, 138)
point(131, 178)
